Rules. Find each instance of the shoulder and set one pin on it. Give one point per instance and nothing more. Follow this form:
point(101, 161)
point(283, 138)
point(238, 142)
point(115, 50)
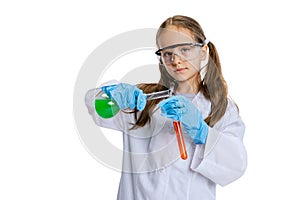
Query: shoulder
point(232, 106)
point(232, 111)
point(230, 117)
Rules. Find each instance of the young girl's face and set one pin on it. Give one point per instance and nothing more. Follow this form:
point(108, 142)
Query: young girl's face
point(182, 62)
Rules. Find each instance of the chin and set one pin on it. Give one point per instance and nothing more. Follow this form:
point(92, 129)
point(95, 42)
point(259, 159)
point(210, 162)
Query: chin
point(185, 78)
point(181, 79)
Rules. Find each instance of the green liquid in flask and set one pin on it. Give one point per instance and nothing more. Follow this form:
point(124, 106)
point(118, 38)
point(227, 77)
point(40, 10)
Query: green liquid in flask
point(106, 108)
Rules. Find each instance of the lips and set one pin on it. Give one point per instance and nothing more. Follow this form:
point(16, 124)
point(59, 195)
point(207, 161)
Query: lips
point(180, 69)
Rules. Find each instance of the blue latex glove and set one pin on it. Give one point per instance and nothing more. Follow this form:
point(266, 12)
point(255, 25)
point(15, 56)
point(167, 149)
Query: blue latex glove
point(108, 88)
point(181, 109)
point(126, 96)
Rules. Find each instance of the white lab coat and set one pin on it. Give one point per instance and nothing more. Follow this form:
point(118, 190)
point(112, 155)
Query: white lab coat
point(152, 167)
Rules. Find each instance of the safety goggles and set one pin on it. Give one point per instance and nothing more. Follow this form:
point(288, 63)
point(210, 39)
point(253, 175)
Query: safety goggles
point(185, 51)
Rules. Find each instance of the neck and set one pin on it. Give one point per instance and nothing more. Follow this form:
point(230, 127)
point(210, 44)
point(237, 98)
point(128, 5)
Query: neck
point(186, 88)
point(189, 86)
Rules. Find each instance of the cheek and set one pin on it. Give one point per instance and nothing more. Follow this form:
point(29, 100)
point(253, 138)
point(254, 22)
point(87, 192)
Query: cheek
point(169, 69)
point(195, 65)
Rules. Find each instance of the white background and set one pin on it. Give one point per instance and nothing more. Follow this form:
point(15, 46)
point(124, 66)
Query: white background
point(43, 45)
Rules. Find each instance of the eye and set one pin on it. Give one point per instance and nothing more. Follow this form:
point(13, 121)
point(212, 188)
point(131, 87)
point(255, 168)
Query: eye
point(167, 54)
point(185, 49)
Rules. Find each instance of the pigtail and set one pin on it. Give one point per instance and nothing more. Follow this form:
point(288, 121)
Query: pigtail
point(214, 87)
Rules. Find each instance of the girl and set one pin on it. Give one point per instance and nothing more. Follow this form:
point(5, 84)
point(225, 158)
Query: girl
point(213, 129)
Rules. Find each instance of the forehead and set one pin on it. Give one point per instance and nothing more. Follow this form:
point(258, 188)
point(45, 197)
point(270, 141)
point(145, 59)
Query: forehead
point(174, 35)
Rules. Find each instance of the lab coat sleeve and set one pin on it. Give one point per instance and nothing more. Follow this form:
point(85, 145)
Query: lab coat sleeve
point(115, 122)
point(224, 158)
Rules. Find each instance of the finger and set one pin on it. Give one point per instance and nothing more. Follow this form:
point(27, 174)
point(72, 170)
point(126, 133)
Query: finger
point(174, 105)
point(173, 117)
point(141, 101)
point(117, 97)
point(168, 100)
point(132, 95)
point(132, 101)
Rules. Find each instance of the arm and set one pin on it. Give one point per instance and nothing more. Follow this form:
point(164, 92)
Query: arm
point(225, 158)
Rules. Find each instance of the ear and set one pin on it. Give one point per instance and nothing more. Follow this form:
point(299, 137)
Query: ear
point(203, 53)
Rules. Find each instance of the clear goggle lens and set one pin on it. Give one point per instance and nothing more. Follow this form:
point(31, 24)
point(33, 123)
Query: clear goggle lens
point(186, 51)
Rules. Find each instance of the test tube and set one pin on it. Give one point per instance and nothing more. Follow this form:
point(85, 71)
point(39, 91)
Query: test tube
point(158, 95)
point(180, 140)
point(176, 124)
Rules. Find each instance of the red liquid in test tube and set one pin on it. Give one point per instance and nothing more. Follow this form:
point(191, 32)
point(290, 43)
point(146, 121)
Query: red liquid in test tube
point(180, 140)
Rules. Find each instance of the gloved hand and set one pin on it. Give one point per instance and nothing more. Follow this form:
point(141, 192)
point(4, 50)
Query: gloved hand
point(181, 109)
point(126, 96)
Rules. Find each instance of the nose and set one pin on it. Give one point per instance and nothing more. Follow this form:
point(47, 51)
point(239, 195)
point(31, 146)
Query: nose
point(175, 59)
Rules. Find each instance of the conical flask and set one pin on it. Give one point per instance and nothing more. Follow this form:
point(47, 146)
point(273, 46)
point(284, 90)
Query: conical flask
point(105, 106)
